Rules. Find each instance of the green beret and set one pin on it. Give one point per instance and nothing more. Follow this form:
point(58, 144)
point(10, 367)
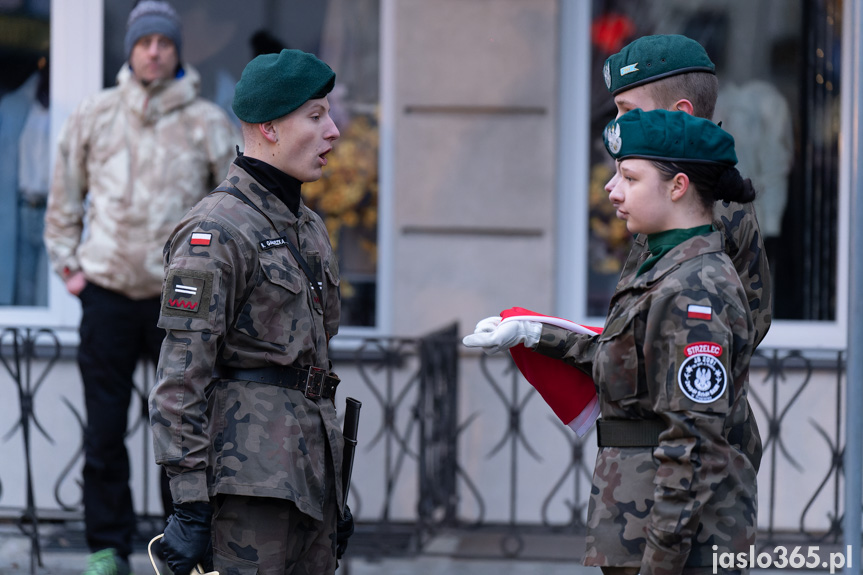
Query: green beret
point(274, 85)
point(668, 136)
point(653, 57)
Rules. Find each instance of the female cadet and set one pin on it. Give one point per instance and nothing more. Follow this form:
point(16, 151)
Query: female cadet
point(672, 487)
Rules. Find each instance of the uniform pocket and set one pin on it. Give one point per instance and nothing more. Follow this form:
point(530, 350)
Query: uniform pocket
point(332, 270)
point(233, 565)
point(272, 306)
point(275, 271)
point(616, 367)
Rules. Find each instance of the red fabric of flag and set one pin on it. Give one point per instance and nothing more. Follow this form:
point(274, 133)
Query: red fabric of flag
point(567, 390)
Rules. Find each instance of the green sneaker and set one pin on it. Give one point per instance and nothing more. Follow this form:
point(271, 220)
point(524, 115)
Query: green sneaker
point(106, 562)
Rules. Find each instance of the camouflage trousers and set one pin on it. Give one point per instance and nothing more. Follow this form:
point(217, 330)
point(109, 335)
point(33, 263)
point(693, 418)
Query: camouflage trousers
point(266, 536)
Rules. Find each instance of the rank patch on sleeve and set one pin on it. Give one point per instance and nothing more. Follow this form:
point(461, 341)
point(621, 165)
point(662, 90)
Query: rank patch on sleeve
point(702, 377)
point(187, 293)
point(201, 239)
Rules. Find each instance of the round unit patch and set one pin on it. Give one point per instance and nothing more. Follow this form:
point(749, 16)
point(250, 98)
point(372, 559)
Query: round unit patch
point(702, 378)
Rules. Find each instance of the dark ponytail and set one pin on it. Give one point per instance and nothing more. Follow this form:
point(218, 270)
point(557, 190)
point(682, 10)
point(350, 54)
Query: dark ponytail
point(731, 187)
point(712, 182)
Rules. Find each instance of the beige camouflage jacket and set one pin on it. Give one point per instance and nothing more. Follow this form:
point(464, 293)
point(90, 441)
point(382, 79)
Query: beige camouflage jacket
point(233, 299)
point(139, 157)
point(676, 346)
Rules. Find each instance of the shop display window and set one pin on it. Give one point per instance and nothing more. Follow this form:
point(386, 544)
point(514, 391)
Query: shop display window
point(24, 146)
point(219, 39)
point(778, 65)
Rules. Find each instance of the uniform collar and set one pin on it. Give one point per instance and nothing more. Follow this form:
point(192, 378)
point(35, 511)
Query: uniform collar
point(265, 199)
point(689, 249)
point(661, 243)
point(157, 99)
point(284, 186)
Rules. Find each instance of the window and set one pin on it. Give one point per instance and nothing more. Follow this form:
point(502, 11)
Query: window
point(778, 64)
point(25, 142)
point(218, 40)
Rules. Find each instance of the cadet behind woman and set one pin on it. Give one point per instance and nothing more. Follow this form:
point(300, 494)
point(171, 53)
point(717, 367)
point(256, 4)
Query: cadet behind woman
point(671, 485)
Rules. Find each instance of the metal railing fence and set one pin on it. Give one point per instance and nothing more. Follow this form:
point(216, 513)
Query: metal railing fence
point(449, 440)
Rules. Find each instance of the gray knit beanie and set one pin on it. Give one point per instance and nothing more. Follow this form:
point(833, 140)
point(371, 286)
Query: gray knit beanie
point(153, 17)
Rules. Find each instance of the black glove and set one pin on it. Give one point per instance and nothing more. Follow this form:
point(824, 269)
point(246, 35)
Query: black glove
point(187, 536)
point(344, 529)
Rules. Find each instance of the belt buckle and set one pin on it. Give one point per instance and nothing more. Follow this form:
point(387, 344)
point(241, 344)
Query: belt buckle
point(314, 382)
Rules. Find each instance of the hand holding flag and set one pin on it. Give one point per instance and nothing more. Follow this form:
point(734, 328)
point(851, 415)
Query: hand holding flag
point(494, 335)
point(567, 390)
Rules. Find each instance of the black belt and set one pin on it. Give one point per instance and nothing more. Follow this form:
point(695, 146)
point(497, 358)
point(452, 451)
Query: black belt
point(314, 382)
point(629, 432)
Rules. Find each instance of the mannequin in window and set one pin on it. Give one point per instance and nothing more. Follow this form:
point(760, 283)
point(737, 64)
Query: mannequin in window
point(34, 148)
point(15, 108)
point(757, 115)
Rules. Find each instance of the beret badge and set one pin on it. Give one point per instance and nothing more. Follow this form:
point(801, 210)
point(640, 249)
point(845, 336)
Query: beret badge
point(612, 136)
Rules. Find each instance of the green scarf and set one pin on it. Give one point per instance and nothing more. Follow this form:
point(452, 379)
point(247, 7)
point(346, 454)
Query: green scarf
point(661, 243)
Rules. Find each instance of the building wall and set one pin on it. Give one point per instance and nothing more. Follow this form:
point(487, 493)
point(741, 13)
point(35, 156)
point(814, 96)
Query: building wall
point(474, 159)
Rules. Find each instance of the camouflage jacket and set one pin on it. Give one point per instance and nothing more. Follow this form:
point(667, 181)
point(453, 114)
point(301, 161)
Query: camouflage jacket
point(231, 298)
point(675, 347)
point(139, 157)
point(744, 245)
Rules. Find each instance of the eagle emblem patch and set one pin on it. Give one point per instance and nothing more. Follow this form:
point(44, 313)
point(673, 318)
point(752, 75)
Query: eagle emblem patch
point(702, 377)
point(612, 136)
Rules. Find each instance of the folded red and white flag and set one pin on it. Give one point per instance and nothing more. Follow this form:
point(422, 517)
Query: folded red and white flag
point(567, 390)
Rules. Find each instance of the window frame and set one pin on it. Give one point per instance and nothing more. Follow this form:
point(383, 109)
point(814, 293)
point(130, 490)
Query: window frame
point(77, 41)
point(76, 71)
point(572, 190)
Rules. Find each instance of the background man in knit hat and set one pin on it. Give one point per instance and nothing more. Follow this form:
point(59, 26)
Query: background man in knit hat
point(243, 412)
point(131, 160)
point(670, 72)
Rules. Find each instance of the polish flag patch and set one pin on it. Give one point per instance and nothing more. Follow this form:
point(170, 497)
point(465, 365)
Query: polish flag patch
point(699, 311)
point(201, 239)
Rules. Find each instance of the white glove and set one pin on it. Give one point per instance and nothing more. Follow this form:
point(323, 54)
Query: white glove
point(493, 335)
point(488, 324)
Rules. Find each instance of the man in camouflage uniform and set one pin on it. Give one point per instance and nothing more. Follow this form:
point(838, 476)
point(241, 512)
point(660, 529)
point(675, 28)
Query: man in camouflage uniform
point(243, 414)
point(673, 73)
point(131, 160)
